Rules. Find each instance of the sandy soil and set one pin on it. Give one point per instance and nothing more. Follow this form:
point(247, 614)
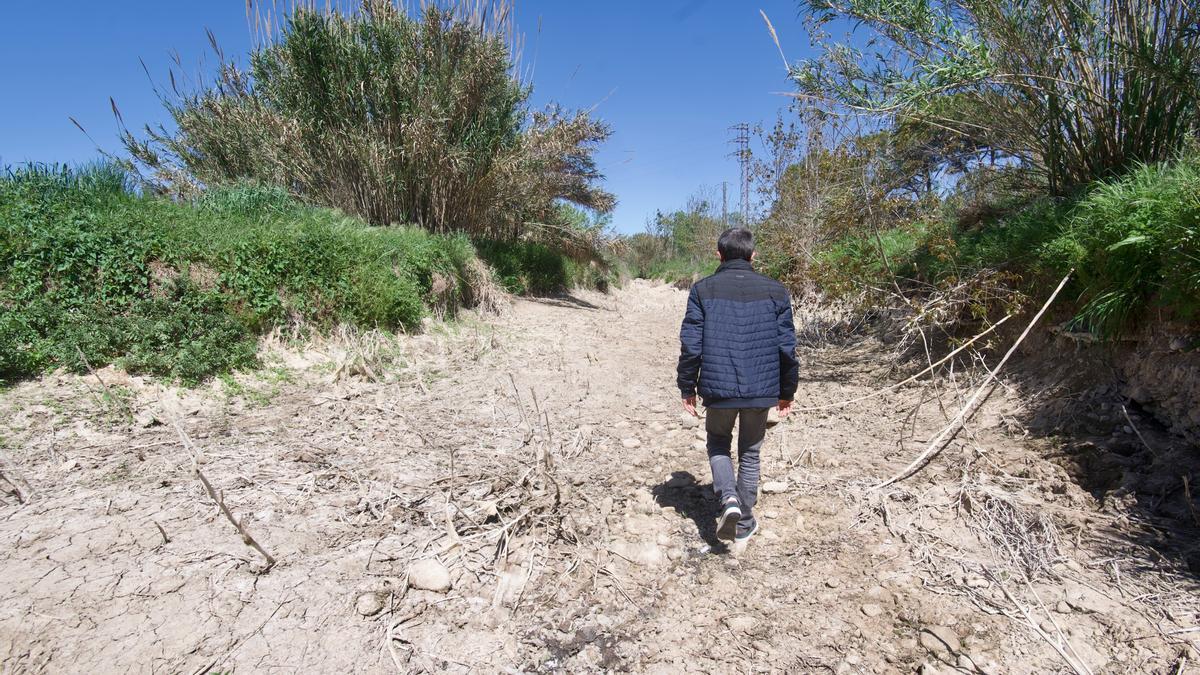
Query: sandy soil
point(538, 465)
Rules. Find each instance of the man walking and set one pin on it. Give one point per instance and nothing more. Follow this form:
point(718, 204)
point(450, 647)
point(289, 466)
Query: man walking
point(738, 347)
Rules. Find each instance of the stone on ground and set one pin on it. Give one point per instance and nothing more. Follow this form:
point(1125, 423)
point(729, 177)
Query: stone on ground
point(429, 575)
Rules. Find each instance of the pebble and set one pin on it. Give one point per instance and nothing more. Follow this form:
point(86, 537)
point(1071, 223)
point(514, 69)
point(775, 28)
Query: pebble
point(743, 624)
point(631, 443)
point(974, 581)
point(762, 646)
point(429, 575)
point(688, 422)
point(833, 582)
point(774, 487)
point(1062, 607)
point(699, 445)
point(871, 609)
point(701, 435)
point(369, 604)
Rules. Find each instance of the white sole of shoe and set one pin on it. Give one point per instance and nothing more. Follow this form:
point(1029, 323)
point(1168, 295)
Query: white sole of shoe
point(746, 537)
point(727, 523)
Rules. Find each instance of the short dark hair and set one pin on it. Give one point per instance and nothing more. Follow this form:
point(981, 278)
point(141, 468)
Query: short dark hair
point(736, 243)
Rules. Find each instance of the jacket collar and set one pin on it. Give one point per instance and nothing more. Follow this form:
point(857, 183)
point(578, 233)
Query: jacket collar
point(735, 264)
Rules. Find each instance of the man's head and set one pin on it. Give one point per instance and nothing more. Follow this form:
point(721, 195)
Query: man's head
point(736, 243)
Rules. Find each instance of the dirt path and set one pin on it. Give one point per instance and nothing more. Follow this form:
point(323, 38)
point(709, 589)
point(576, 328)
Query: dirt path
point(538, 465)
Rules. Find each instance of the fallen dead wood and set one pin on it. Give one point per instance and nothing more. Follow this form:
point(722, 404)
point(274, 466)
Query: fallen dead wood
point(219, 499)
point(984, 390)
point(890, 387)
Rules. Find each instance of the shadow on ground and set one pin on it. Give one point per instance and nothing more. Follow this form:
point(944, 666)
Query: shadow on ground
point(563, 300)
point(693, 500)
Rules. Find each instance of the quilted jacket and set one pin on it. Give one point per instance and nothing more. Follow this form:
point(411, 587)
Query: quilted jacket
point(738, 343)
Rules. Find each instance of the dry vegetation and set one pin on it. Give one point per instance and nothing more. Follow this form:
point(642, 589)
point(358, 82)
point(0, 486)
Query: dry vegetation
point(521, 493)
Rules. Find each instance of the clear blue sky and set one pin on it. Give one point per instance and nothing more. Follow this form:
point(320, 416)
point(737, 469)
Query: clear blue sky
point(670, 76)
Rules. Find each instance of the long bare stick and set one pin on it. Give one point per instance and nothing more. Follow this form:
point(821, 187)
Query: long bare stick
point(219, 499)
point(890, 387)
point(948, 433)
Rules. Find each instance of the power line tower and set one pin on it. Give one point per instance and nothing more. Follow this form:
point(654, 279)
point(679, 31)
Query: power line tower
point(741, 142)
point(725, 203)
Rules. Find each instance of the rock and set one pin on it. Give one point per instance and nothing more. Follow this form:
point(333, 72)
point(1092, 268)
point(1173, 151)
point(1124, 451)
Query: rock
point(1087, 599)
point(762, 646)
point(939, 639)
point(369, 604)
point(1062, 607)
point(641, 553)
point(688, 422)
point(833, 582)
point(975, 581)
point(871, 609)
point(770, 514)
point(741, 624)
point(774, 487)
point(700, 445)
point(429, 575)
point(630, 443)
point(701, 435)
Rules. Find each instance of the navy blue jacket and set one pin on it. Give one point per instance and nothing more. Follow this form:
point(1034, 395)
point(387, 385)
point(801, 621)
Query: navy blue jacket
point(738, 343)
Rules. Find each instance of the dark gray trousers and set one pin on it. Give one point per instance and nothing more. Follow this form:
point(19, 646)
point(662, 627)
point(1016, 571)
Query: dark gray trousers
point(751, 432)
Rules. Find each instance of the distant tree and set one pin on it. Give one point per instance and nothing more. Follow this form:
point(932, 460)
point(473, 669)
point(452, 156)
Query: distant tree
point(1078, 89)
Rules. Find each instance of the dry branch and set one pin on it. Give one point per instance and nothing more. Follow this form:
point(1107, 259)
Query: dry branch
point(219, 499)
point(21, 493)
point(931, 366)
point(949, 432)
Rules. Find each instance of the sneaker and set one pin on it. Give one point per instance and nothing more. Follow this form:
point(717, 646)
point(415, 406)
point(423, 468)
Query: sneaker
point(731, 513)
point(744, 533)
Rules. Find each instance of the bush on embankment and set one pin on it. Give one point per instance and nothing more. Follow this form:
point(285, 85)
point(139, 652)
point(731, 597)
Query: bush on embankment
point(1134, 243)
point(92, 273)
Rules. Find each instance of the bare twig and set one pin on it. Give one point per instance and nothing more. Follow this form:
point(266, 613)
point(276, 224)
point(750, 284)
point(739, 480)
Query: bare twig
point(948, 433)
point(218, 498)
point(21, 493)
point(166, 539)
point(888, 388)
point(107, 391)
point(1138, 432)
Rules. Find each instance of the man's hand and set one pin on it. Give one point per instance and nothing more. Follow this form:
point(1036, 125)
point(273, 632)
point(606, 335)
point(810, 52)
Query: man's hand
point(689, 404)
point(785, 407)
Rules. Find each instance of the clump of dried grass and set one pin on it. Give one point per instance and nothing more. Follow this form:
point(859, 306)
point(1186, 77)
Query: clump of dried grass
point(1023, 538)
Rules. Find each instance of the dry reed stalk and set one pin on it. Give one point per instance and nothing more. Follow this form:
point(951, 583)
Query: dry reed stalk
point(931, 366)
point(967, 411)
point(219, 499)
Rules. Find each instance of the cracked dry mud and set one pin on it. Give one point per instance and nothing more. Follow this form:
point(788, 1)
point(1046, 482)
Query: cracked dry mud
point(540, 460)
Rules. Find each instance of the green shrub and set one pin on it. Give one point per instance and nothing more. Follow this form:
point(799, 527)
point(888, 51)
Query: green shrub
point(1134, 242)
point(526, 267)
point(181, 290)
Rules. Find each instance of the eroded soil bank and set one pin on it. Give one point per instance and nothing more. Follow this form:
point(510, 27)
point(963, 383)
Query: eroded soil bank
point(523, 494)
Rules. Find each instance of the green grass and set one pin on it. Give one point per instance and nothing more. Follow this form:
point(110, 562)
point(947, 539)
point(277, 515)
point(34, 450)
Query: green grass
point(527, 267)
point(90, 270)
point(92, 273)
